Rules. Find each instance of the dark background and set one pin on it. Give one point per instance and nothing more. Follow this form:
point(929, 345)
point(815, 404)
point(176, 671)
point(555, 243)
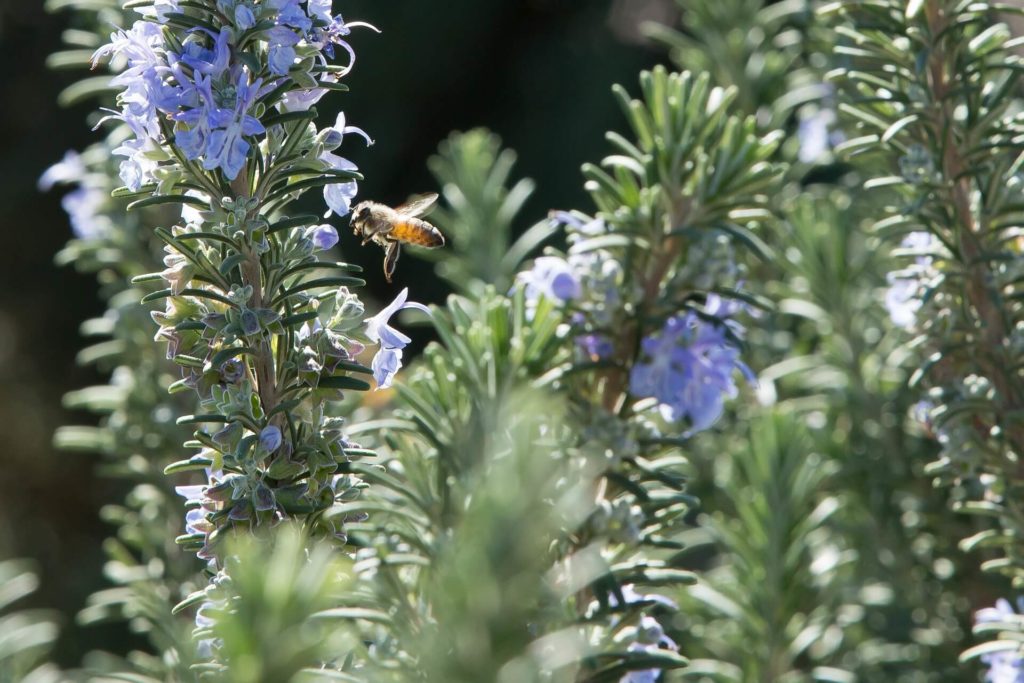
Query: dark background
point(538, 72)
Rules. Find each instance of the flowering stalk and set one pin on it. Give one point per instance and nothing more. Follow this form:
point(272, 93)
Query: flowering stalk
point(219, 98)
point(948, 140)
point(624, 333)
point(653, 318)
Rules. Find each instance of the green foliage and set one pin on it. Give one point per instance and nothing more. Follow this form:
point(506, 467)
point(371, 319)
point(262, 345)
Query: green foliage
point(480, 213)
point(755, 46)
point(833, 358)
point(693, 165)
point(26, 636)
point(779, 586)
point(270, 610)
point(137, 435)
point(930, 90)
point(437, 504)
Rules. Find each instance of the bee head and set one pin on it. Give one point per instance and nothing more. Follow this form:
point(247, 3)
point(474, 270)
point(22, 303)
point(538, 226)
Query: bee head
point(360, 215)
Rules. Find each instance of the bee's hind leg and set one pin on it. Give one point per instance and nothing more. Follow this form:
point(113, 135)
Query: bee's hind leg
point(391, 254)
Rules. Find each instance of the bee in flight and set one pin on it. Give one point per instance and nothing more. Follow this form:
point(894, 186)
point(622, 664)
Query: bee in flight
point(389, 227)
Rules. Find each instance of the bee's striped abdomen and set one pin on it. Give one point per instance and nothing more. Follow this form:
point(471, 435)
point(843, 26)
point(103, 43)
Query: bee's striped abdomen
point(415, 231)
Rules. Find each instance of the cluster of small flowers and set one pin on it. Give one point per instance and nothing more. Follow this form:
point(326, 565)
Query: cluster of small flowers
point(263, 353)
point(1004, 666)
point(907, 287)
point(688, 366)
point(207, 91)
point(85, 204)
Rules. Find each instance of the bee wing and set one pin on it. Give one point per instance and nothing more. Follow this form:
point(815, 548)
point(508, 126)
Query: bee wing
point(417, 205)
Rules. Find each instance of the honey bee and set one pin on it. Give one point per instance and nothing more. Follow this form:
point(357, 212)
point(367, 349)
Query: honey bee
point(390, 228)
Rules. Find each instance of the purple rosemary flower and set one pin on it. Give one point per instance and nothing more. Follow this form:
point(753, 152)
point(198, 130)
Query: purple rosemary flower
point(205, 646)
point(244, 18)
point(289, 13)
point(302, 100)
point(159, 9)
point(816, 135)
point(688, 367)
point(83, 204)
point(209, 61)
point(70, 169)
point(631, 596)
point(216, 133)
point(199, 506)
point(649, 636)
point(332, 30)
point(1004, 666)
point(388, 359)
point(231, 371)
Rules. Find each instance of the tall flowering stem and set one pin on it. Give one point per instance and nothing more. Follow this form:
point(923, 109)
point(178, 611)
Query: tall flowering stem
point(219, 101)
point(634, 337)
point(931, 90)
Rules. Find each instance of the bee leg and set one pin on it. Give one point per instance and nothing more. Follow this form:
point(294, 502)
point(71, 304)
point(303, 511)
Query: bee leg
point(391, 253)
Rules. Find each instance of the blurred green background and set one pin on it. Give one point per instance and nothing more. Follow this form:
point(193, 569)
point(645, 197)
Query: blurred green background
point(537, 72)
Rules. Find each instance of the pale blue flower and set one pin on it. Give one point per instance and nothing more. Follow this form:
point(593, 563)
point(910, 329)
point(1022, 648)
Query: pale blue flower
point(218, 125)
point(334, 135)
point(280, 58)
point(1004, 666)
point(205, 647)
point(159, 9)
point(199, 507)
point(903, 298)
point(320, 9)
point(388, 359)
point(550, 277)
point(281, 41)
point(323, 236)
point(70, 169)
point(139, 168)
point(83, 207)
point(302, 100)
point(244, 18)
point(339, 196)
point(142, 80)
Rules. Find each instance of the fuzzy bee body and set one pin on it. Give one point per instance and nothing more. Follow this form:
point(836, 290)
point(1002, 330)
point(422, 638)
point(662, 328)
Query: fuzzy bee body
point(418, 231)
point(390, 228)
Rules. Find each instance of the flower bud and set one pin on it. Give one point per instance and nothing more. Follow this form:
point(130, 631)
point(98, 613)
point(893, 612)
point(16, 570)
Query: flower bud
point(270, 438)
